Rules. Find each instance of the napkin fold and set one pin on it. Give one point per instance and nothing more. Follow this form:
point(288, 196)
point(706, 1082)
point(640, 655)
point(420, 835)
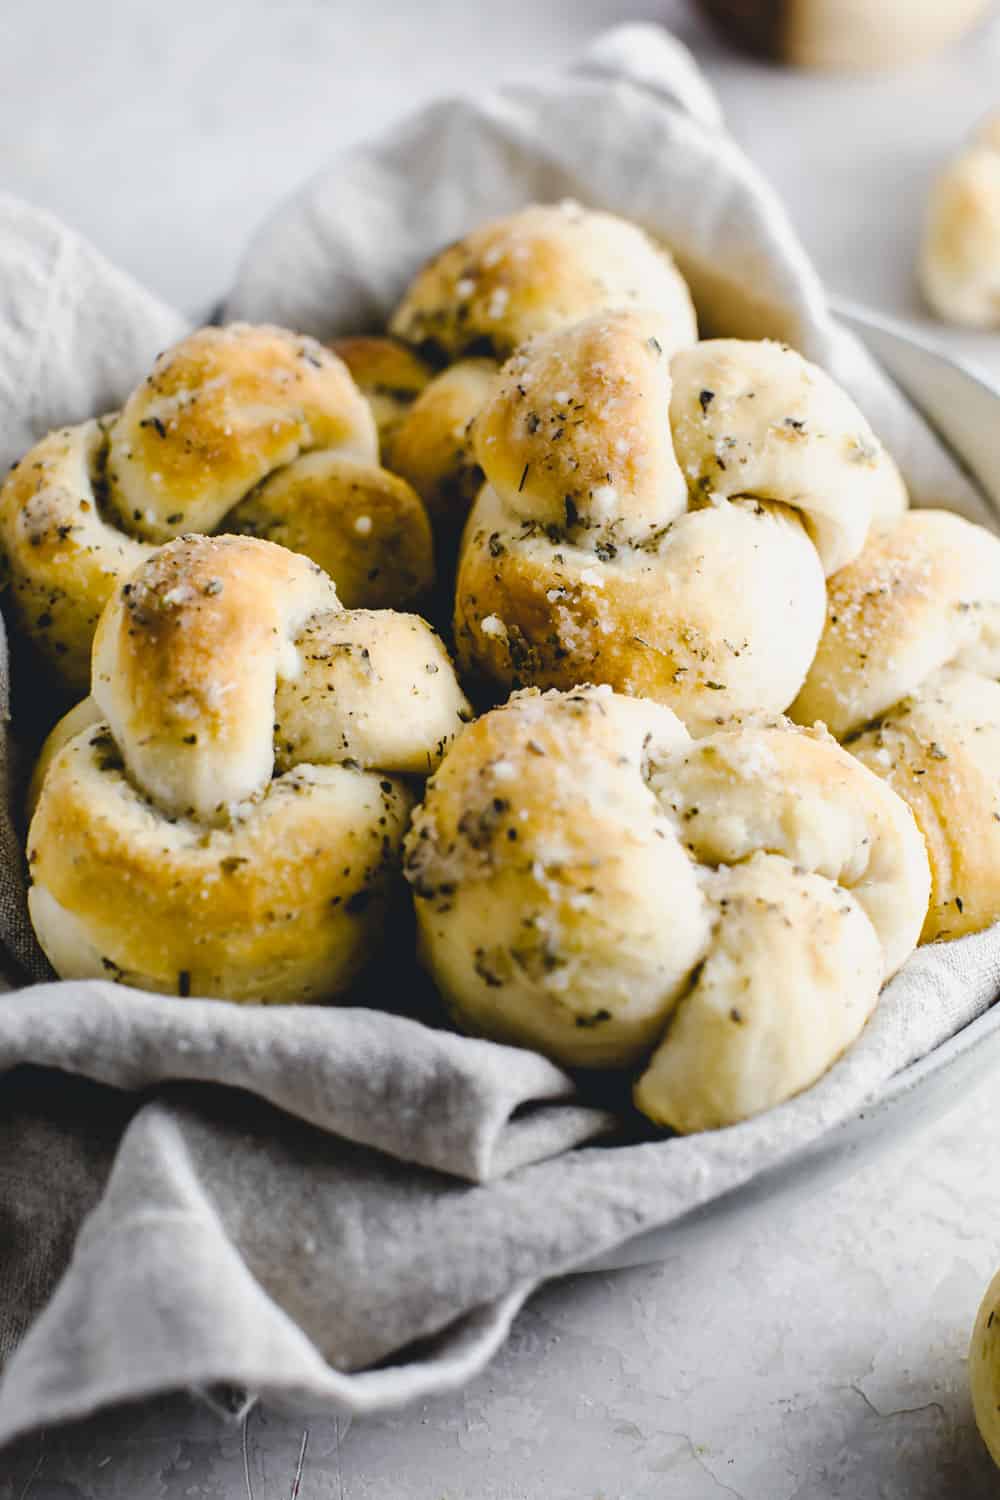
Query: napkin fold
point(346, 1207)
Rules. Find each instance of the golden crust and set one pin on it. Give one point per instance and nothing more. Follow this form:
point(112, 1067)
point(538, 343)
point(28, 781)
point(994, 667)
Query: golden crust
point(63, 556)
point(906, 673)
point(82, 715)
point(669, 621)
point(372, 686)
point(432, 446)
point(591, 882)
point(388, 374)
point(219, 412)
point(984, 1368)
point(283, 905)
point(939, 749)
point(226, 414)
point(577, 431)
point(541, 268)
point(960, 255)
point(366, 527)
point(755, 418)
point(186, 658)
point(221, 810)
point(537, 862)
point(924, 592)
point(643, 528)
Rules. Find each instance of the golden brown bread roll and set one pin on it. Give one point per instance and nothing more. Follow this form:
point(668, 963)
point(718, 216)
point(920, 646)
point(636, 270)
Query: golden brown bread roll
point(591, 882)
point(845, 34)
point(251, 428)
point(424, 423)
point(389, 375)
point(940, 750)
point(662, 525)
point(906, 675)
point(984, 1368)
point(960, 253)
point(541, 268)
point(432, 447)
point(224, 816)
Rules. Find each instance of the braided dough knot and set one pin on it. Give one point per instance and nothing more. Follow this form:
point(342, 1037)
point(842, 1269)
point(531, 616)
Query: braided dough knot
point(251, 428)
point(663, 525)
point(541, 268)
point(719, 912)
point(224, 816)
point(906, 675)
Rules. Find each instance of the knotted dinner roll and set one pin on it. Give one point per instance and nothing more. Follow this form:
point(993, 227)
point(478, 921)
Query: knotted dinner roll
point(540, 268)
point(224, 816)
point(536, 270)
point(252, 429)
point(433, 447)
point(984, 1368)
point(592, 882)
point(906, 674)
point(425, 424)
point(389, 375)
point(662, 525)
point(960, 254)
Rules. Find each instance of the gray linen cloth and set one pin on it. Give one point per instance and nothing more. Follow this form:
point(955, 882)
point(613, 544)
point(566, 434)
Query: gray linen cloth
point(346, 1206)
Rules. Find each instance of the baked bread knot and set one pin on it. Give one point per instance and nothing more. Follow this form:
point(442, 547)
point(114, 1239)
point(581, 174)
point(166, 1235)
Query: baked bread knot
point(536, 270)
point(960, 254)
point(252, 429)
point(433, 447)
point(906, 675)
point(541, 268)
point(718, 913)
point(425, 421)
point(389, 375)
point(662, 525)
point(223, 817)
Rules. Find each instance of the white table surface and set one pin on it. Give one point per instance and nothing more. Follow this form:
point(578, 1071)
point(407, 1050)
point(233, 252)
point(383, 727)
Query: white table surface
point(821, 1352)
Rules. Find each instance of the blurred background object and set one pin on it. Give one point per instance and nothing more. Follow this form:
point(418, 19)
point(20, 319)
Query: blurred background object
point(960, 254)
point(984, 1368)
point(173, 143)
point(845, 34)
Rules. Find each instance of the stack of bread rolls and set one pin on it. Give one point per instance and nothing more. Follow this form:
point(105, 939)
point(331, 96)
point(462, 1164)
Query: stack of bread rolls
point(734, 749)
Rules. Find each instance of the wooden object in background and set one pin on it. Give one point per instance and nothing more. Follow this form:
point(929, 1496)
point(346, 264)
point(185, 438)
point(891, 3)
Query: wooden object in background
point(845, 34)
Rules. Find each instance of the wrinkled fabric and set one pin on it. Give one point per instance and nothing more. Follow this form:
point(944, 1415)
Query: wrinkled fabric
point(346, 1207)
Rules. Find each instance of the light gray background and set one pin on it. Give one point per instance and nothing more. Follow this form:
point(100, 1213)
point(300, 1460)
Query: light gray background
point(821, 1351)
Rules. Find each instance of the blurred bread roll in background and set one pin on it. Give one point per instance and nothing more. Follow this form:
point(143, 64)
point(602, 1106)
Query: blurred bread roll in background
point(984, 1369)
point(844, 34)
point(960, 255)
